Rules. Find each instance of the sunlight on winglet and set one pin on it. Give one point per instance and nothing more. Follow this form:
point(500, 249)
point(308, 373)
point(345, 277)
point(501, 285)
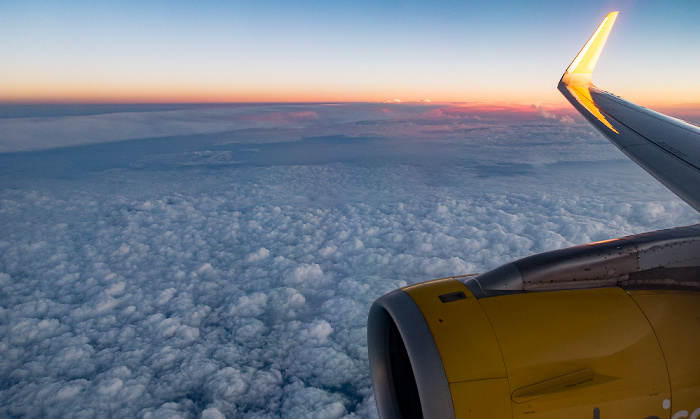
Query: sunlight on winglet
point(577, 77)
point(586, 60)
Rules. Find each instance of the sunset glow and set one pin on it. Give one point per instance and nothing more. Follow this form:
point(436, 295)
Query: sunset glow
point(360, 52)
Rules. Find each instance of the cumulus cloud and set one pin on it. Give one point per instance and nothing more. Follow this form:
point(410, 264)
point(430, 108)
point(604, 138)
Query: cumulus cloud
point(544, 112)
point(152, 288)
point(308, 275)
point(259, 255)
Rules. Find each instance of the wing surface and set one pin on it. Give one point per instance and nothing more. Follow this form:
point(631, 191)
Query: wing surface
point(666, 147)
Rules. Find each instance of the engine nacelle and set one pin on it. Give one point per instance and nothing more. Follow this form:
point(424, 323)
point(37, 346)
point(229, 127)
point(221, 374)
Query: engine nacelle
point(627, 349)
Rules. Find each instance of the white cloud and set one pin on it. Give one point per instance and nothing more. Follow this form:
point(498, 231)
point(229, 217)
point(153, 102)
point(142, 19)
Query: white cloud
point(544, 112)
point(308, 276)
point(259, 255)
point(156, 289)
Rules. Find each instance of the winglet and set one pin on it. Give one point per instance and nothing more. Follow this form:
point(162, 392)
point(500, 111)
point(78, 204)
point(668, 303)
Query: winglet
point(575, 82)
point(579, 72)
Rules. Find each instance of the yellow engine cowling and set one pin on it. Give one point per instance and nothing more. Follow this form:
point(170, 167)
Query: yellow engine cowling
point(602, 330)
point(436, 350)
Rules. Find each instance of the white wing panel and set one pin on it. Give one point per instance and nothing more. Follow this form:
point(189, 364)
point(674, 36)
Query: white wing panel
point(667, 148)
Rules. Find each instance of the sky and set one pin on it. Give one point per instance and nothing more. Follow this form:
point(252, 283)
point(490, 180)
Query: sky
point(349, 51)
point(220, 261)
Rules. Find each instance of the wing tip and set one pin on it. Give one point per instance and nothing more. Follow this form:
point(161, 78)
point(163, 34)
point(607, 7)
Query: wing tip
point(582, 66)
point(575, 82)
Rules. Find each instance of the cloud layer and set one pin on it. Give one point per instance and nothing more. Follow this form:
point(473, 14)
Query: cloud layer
point(226, 276)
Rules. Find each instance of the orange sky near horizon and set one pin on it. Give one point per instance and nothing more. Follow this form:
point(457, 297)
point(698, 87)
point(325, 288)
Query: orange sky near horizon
point(270, 52)
point(164, 93)
point(96, 89)
point(212, 91)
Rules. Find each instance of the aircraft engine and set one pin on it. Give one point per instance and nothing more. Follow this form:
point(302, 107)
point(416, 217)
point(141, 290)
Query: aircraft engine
point(604, 330)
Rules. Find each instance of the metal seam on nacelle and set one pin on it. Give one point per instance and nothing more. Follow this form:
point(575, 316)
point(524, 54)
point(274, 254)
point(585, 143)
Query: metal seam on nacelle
point(602, 264)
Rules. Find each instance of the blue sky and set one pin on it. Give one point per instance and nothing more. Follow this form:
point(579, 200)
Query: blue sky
point(341, 51)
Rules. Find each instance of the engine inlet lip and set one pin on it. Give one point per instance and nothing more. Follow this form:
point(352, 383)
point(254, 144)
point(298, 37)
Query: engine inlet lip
point(399, 308)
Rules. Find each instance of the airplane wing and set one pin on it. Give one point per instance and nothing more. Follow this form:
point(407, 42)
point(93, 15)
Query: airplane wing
point(602, 330)
point(666, 147)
